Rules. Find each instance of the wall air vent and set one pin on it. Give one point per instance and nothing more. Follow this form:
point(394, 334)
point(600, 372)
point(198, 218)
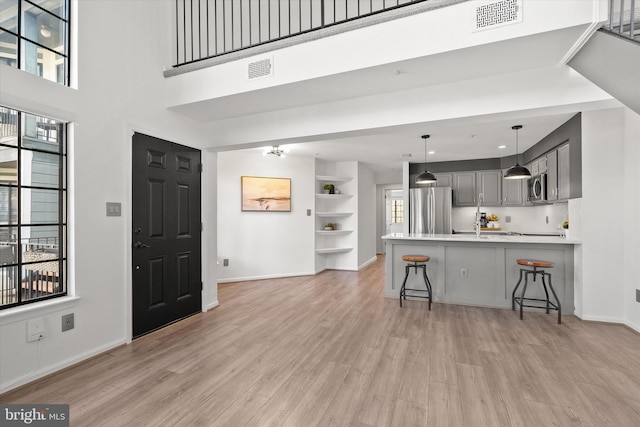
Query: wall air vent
point(260, 69)
point(496, 14)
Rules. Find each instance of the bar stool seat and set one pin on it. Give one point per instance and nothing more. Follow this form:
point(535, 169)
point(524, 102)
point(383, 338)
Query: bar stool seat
point(539, 267)
point(416, 262)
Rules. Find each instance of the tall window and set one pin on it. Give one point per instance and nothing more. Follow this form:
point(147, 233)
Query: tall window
point(34, 36)
point(32, 208)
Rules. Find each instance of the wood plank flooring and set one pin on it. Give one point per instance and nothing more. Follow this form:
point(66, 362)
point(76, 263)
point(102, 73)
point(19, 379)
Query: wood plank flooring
point(329, 350)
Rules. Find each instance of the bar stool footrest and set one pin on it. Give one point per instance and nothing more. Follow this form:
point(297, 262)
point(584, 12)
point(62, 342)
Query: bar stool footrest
point(552, 306)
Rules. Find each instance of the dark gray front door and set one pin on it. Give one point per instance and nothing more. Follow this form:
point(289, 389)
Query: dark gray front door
point(166, 233)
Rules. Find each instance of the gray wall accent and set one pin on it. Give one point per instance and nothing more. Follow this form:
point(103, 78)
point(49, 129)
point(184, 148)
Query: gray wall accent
point(571, 132)
point(595, 62)
point(457, 166)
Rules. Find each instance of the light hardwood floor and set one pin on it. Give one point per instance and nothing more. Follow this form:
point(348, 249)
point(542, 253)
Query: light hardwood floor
point(330, 350)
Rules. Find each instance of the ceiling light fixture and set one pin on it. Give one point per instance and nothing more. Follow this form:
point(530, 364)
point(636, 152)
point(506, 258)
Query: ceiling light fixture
point(517, 171)
point(425, 177)
point(275, 151)
point(45, 31)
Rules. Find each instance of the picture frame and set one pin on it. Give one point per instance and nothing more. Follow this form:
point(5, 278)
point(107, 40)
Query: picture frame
point(265, 194)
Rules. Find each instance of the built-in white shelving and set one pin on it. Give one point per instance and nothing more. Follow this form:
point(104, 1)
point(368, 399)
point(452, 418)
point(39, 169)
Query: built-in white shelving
point(334, 232)
point(333, 214)
point(333, 250)
point(334, 208)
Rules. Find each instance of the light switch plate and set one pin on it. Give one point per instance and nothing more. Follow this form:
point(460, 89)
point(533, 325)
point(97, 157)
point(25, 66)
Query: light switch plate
point(114, 209)
point(637, 295)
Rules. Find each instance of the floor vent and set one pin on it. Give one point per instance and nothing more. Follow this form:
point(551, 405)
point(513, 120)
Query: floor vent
point(260, 69)
point(496, 14)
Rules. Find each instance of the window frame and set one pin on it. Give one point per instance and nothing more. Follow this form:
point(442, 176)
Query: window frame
point(19, 224)
point(23, 39)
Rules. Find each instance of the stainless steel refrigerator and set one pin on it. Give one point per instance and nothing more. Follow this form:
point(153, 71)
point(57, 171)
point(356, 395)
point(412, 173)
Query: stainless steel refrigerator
point(430, 210)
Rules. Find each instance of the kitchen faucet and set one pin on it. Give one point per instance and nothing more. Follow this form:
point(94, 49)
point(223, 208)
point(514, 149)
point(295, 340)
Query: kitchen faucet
point(480, 200)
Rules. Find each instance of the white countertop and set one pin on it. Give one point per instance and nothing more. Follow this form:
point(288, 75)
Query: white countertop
point(484, 238)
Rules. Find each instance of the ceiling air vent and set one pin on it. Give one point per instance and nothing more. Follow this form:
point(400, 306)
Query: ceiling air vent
point(496, 14)
point(260, 69)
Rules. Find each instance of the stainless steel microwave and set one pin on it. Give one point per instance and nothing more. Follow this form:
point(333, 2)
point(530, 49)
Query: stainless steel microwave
point(538, 188)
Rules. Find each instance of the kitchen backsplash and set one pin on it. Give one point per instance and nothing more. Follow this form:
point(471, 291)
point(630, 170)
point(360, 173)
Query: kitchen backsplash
point(523, 219)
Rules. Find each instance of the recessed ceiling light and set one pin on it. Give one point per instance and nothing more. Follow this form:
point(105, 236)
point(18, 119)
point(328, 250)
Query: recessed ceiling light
point(432, 152)
point(502, 146)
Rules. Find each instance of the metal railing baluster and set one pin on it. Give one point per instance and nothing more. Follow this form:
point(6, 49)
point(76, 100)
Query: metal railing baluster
point(224, 20)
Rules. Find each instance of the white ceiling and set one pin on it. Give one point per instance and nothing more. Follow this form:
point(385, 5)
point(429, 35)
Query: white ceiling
point(449, 141)
point(385, 151)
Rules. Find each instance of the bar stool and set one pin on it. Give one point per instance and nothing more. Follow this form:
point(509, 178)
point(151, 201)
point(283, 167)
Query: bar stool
point(538, 267)
point(416, 262)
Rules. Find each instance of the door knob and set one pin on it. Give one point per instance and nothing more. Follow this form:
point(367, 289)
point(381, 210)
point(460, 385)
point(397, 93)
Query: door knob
point(140, 245)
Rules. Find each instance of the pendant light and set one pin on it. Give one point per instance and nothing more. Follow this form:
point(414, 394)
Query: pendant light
point(425, 177)
point(517, 171)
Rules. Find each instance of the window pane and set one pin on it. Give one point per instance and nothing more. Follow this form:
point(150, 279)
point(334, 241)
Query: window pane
point(8, 49)
point(8, 165)
point(39, 207)
point(8, 285)
point(39, 169)
point(42, 28)
point(41, 133)
point(9, 15)
point(8, 126)
point(42, 62)
point(57, 7)
point(8, 205)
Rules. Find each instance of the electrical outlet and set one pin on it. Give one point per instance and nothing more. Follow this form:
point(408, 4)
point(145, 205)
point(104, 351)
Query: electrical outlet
point(35, 329)
point(507, 218)
point(464, 273)
point(225, 262)
point(67, 322)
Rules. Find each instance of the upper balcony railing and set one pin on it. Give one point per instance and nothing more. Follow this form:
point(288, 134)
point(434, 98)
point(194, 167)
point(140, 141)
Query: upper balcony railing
point(210, 28)
point(624, 18)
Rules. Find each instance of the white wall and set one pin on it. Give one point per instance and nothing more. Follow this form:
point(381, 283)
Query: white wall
point(366, 216)
point(265, 244)
point(631, 219)
point(119, 90)
point(604, 190)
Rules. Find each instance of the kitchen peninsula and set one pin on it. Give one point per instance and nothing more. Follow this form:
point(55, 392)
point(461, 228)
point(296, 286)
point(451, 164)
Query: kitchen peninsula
point(482, 271)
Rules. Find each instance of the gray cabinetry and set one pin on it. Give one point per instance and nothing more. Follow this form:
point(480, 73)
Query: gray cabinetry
point(552, 175)
point(513, 191)
point(444, 179)
point(464, 188)
point(489, 184)
point(564, 178)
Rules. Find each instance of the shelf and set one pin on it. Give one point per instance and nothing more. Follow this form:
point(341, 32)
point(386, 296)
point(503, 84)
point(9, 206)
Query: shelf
point(333, 196)
point(333, 214)
point(333, 178)
point(333, 250)
point(334, 232)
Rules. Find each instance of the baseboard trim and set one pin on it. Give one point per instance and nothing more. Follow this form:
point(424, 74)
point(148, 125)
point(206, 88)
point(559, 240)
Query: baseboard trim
point(60, 366)
point(603, 319)
point(267, 276)
point(213, 305)
point(368, 262)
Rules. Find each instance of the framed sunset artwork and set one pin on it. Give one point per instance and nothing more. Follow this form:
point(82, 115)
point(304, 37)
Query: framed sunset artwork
point(265, 194)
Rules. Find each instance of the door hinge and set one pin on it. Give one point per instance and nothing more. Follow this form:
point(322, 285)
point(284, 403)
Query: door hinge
point(200, 167)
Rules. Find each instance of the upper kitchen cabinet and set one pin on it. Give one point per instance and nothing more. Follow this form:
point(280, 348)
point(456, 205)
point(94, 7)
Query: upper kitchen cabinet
point(464, 188)
point(551, 160)
point(514, 191)
point(467, 186)
point(564, 177)
point(490, 185)
point(444, 179)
